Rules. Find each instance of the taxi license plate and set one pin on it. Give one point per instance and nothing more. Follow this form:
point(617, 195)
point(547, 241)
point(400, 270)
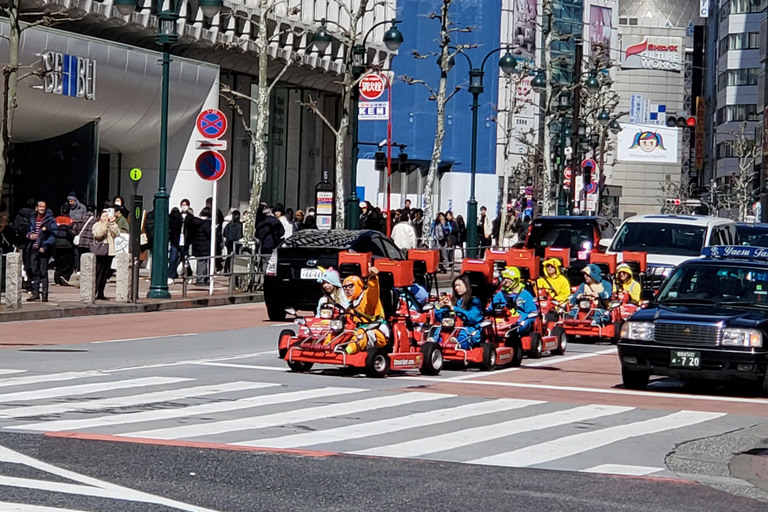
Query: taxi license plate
point(684, 359)
point(311, 273)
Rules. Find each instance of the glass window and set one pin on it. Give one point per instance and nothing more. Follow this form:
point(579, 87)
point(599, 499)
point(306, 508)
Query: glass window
point(660, 238)
point(731, 113)
point(717, 284)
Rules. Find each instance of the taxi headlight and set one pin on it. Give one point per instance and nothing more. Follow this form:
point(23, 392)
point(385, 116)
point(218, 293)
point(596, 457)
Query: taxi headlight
point(742, 338)
point(448, 322)
point(637, 331)
point(337, 325)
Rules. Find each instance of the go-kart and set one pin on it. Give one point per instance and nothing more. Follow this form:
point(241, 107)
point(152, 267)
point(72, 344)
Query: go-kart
point(534, 344)
point(487, 355)
point(585, 323)
point(324, 339)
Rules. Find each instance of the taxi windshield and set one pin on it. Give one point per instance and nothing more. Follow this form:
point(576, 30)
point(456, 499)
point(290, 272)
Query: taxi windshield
point(716, 285)
point(660, 238)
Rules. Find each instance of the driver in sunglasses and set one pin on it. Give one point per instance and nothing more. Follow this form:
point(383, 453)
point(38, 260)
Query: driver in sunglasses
point(366, 312)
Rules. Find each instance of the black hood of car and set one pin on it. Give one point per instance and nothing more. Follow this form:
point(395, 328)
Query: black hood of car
point(733, 316)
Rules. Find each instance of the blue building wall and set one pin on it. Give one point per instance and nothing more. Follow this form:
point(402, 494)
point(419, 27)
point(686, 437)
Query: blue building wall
point(414, 117)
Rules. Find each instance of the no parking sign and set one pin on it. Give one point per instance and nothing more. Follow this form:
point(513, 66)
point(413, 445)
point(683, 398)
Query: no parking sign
point(210, 165)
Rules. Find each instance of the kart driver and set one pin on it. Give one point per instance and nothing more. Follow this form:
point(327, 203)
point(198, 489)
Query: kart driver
point(514, 296)
point(468, 308)
point(553, 280)
point(626, 285)
point(332, 294)
point(365, 309)
point(596, 288)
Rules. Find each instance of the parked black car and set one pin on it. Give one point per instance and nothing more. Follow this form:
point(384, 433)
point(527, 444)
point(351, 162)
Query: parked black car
point(579, 234)
point(292, 271)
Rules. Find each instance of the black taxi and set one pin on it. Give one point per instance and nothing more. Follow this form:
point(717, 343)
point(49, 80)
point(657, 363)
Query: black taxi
point(709, 320)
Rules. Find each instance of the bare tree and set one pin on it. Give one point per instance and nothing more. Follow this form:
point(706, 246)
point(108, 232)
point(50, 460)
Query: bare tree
point(676, 195)
point(257, 134)
point(11, 77)
point(352, 35)
point(441, 97)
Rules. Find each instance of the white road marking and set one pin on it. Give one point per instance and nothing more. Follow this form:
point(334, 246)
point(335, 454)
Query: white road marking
point(288, 418)
point(86, 485)
point(51, 377)
point(131, 400)
point(84, 389)
point(622, 469)
point(387, 426)
point(145, 338)
point(183, 412)
point(10, 372)
point(580, 443)
point(474, 435)
point(192, 361)
point(23, 507)
point(246, 366)
point(550, 361)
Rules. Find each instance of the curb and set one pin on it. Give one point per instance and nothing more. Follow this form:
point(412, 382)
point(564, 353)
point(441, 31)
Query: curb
point(752, 466)
point(114, 309)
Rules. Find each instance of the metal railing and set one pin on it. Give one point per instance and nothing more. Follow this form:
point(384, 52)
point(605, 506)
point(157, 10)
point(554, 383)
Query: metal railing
point(245, 270)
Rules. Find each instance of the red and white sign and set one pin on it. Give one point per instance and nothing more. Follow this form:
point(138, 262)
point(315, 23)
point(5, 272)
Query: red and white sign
point(567, 173)
point(650, 52)
point(372, 86)
point(213, 145)
point(211, 123)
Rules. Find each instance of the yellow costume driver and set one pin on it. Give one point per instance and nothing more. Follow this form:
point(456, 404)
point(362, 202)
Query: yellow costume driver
point(554, 281)
point(625, 283)
point(364, 309)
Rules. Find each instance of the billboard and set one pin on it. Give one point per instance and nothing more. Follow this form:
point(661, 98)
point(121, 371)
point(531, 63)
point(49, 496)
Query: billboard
point(652, 52)
point(648, 144)
point(524, 29)
point(600, 29)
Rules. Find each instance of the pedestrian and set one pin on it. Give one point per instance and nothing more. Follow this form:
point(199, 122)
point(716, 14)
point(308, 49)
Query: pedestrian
point(484, 230)
point(453, 234)
point(232, 233)
point(439, 234)
point(417, 222)
point(121, 219)
point(219, 229)
point(298, 219)
point(185, 240)
point(369, 218)
point(511, 229)
point(310, 222)
point(279, 213)
point(462, 236)
point(83, 231)
point(119, 204)
point(21, 226)
point(41, 236)
point(105, 231)
point(403, 235)
point(63, 248)
point(175, 237)
point(269, 233)
point(77, 210)
point(200, 228)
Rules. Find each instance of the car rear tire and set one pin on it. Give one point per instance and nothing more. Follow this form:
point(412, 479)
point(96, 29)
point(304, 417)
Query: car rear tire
point(276, 313)
point(299, 366)
point(562, 340)
point(617, 331)
point(433, 358)
point(489, 357)
point(636, 380)
point(377, 364)
point(535, 352)
point(281, 352)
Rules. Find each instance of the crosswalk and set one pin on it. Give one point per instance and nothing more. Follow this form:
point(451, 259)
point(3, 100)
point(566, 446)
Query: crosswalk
point(414, 423)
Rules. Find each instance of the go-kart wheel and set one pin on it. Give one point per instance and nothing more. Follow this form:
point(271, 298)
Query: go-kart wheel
point(562, 340)
point(299, 366)
point(433, 358)
point(281, 352)
point(489, 357)
point(377, 364)
point(536, 346)
point(634, 379)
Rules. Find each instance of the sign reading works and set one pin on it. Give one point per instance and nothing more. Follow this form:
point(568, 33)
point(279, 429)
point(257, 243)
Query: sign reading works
point(650, 52)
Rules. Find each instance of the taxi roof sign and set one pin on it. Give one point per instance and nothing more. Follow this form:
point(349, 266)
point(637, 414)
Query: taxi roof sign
point(736, 252)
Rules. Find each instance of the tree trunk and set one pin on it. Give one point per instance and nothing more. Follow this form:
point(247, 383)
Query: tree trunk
point(341, 139)
point(547, 204)
point(10, 83)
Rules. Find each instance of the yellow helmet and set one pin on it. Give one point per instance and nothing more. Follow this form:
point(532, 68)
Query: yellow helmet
point(512, 273)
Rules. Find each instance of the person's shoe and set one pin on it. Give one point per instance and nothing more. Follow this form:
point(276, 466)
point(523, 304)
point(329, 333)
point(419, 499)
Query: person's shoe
point(34, 298)
point(45, 297)
point(101, 297)
point(64, 282)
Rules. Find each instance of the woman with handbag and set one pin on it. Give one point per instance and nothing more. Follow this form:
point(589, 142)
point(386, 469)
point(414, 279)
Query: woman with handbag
point(104, 233)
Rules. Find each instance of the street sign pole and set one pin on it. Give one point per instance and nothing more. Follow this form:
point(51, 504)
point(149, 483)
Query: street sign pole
point(137, 209)
point(214, 220)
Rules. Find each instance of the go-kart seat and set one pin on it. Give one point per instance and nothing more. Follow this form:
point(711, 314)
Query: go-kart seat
point(388, 294)
point(480, 286)
point(420, 275)
point(350, 269)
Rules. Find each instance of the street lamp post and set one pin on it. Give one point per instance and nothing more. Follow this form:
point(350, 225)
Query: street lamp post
point(507, 64)
point(392, 39)
point(167, 35)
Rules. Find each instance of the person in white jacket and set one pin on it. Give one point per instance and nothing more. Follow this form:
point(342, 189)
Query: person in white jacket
point(403, 233)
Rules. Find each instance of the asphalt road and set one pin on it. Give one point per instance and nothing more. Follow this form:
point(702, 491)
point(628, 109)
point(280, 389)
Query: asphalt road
point(196, 409)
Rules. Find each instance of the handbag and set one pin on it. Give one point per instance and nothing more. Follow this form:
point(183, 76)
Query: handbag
point(77, 237)
point(100, 248)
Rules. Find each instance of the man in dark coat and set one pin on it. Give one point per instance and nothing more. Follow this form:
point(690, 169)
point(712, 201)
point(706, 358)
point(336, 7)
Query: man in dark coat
point(200, 233)
point(41, 235)
point(269, 232)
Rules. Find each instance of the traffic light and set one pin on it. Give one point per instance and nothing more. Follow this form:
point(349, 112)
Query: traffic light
point(402, 162)
point(673, 202)
point(380, 161)
point(681, 120)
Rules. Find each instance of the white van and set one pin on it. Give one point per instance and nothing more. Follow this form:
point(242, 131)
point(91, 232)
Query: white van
point(670, 240)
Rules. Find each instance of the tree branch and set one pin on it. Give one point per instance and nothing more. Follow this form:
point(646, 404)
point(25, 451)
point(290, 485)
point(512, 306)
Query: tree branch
point(412, 81)
point(311, 105)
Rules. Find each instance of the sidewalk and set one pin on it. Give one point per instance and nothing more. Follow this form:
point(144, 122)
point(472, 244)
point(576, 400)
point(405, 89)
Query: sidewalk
point(64, 301)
